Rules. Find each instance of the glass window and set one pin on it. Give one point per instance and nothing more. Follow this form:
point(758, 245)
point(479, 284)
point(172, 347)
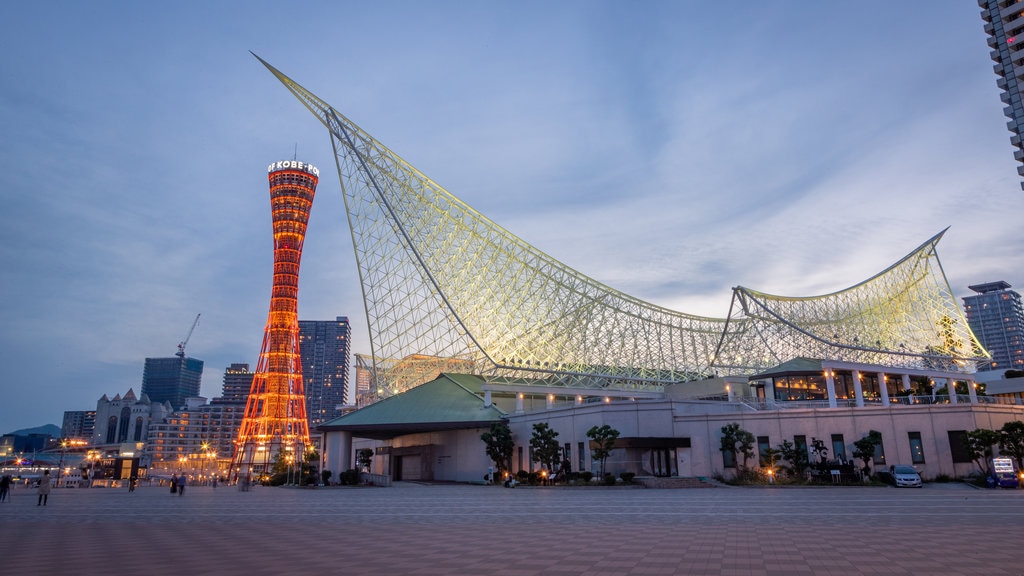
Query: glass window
point(839, 447)
point(801, 447)
point(879, 457)
point(762, 450)
point(958, 447)
point(728, 459)
point(916, 448)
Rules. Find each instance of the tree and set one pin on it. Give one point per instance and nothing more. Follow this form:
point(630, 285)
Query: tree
point(738, 442)
point(500, 446)
point(1011, 441)
point(797, 458)
point(605, 437)
point(364, 458)
point(544, 445)
point(979, 443)
point(769, 460)
point(864, 449)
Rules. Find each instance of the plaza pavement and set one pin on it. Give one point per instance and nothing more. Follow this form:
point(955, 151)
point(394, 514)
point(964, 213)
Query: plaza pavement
point(465, 530)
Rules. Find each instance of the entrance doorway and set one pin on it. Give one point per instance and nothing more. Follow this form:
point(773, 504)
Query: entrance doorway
point(663, 462)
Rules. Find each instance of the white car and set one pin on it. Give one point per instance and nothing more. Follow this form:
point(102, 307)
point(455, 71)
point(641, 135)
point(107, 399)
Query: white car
point(906, 476)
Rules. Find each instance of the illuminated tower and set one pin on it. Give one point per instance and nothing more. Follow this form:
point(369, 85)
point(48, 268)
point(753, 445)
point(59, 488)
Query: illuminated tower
point(275, 413)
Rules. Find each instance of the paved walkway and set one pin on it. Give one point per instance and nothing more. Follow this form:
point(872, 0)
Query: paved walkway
point(472, 530)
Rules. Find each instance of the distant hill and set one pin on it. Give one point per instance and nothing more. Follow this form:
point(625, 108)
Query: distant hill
point(51, 429)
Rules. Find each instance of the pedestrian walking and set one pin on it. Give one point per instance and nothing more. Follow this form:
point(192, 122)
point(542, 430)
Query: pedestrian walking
point(44, 489)
point(181, 485)
point(5, 487)
point(174, 483)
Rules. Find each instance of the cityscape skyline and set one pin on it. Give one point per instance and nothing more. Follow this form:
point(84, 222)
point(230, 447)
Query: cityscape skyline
point(134, 174)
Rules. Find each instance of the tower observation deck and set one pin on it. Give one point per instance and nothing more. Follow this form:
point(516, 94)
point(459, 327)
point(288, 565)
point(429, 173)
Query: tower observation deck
point(274, 424)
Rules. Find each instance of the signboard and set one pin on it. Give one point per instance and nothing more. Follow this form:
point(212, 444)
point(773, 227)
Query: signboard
point(1002, 465)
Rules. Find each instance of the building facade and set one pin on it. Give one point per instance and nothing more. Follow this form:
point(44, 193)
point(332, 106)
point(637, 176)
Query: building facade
point(172, 379)
point(325, 350)
point(122, 422)
point(197, 440)
point(1004, 24)
point(996, 316)
point(78, 424)
point(237, 382)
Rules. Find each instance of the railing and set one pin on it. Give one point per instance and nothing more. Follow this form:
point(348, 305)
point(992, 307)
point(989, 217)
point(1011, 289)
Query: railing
point(914, 400)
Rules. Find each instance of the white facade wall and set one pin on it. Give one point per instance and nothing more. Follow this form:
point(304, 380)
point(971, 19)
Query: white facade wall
point(696, 421)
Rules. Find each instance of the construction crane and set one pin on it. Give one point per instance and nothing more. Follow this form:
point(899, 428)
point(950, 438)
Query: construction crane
point(181, 345)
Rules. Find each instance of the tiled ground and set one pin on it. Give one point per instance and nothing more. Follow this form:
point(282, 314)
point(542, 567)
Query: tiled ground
point(469, 530)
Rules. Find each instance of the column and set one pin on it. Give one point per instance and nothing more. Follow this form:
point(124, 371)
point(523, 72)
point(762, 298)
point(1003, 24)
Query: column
point(551, 401)
point(487, 399)
point(830, 387)
point(972, 390)
point(906, 386)
point(519, 403)
point(728, 391)
point(951, 390)
point(858, 389)
point(338, 452)
point(883, 389)
point(579, 400)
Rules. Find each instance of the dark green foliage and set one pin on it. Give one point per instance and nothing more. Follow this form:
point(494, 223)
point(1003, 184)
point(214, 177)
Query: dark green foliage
point(1011, 441)
point(364, 458)
point(544, 446)
point(796, 457)
point(349, 477)
point(605, 437)
point(326, 477)
point(738, 442)
point(609, 480)
point(627, 477)
point(979, 444)
point(864, 449)
point(586, 475)
point(499, 446)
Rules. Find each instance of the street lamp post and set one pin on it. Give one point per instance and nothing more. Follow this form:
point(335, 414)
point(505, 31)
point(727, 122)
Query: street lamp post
point(202, 465)
point(60, 466)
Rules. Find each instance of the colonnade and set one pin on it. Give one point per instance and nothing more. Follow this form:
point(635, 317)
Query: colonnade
point(882, 375)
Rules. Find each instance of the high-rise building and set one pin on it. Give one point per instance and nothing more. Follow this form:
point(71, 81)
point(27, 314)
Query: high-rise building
point(78, 424)
point(172, 379)
point(996, 317)
point(237, 383)
point(274, 424)
point(324, 345)
point(1004, 24)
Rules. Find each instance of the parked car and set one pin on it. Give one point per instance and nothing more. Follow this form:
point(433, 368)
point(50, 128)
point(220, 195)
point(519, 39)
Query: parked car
point(904, 476)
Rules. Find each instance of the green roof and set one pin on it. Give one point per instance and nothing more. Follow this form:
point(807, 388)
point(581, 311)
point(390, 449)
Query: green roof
point(794, 366)
point(450, 402)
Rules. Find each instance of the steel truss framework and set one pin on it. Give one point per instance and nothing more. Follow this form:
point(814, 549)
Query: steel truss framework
point(441, 280)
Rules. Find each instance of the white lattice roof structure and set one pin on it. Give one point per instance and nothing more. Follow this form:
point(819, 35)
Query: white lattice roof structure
point(440, 280)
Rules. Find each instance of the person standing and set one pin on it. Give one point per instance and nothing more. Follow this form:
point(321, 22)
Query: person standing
point(44, 489)
point(181, 485)
point(174, 483)
point(5, 487)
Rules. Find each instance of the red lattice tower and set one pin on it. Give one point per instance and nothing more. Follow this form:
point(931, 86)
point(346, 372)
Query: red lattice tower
point(274, 424)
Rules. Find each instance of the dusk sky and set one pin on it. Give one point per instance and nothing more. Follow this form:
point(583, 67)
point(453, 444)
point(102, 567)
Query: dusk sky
point(671, 150)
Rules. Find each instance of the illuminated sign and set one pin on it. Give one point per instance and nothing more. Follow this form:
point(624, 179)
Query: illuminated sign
point(293, 165)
